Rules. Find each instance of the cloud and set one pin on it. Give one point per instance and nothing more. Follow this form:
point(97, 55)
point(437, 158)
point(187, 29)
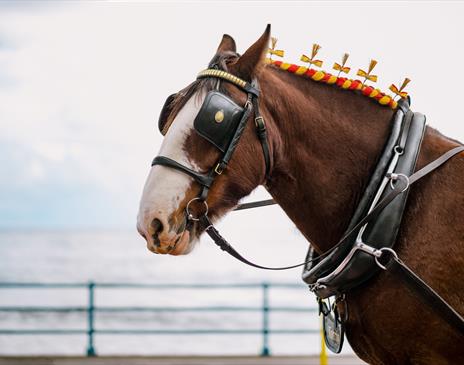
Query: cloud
point(81, 85)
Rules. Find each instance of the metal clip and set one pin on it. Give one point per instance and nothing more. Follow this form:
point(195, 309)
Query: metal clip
point(395, 177)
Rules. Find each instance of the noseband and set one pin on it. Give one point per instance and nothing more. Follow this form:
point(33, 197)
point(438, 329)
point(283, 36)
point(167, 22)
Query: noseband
point(221, 122)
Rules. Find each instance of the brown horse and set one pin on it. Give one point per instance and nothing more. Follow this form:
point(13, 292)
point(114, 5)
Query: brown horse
point(324, 144)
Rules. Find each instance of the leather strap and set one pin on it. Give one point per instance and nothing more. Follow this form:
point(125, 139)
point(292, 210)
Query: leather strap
point(424, 292)
point(435, 164)
point(402, 184)
point(257, 204)
point(238, 133)
point(225, 246)
point(262, 135)
point(203, 180)
point(405, 130)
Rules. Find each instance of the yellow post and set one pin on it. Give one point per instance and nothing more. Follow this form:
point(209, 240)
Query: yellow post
point(323, 359)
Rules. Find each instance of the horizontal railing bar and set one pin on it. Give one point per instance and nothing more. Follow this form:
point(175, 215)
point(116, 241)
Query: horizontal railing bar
point(43, 332)
point(204, 331)
point(157, 309)
point(13, 285)
point(43, 309)
point(200, 286)
point(203, 309)
point(152, 332)
point(43, 285)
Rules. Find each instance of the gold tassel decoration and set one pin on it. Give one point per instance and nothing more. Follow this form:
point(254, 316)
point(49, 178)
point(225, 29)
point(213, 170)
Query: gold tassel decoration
point(273, 51)
point(311, 59)
point(367, 75)
point(399, 92)
point(341, 67)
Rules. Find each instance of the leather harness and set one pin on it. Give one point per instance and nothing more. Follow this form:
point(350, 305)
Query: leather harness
point(376, 221)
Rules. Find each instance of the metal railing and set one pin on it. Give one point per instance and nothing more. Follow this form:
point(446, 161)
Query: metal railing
point(91, 309)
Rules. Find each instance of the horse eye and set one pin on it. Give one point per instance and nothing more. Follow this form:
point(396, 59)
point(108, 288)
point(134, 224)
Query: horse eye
point(165, 112)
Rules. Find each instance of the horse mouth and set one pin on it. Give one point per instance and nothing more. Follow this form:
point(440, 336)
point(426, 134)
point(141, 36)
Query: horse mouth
point(181, 243)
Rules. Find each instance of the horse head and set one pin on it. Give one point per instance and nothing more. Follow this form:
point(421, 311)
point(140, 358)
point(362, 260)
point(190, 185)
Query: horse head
point(172, 194)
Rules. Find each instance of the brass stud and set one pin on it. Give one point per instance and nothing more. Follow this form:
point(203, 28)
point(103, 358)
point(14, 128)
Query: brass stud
point(219, 116)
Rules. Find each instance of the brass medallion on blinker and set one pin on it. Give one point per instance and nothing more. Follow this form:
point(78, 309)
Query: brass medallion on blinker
point(218, 119)
point(219, 116)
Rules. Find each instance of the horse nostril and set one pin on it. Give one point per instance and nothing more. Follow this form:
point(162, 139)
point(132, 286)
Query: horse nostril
point(157, 228)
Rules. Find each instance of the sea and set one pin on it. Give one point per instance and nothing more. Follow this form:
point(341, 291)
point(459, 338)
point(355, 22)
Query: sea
point(120, 256)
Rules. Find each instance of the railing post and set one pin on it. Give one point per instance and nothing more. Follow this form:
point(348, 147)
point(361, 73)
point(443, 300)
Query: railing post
point(265, 329)
point(90, 319)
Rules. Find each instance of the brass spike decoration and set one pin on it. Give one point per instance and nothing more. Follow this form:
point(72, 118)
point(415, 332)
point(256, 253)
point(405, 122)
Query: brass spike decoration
point(342, 68)
point(367, 75)
point(311, 59)
point(273, 51)
point(399, 92)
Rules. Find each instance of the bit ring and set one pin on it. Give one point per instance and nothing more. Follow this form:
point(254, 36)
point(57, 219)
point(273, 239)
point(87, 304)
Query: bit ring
point(382, 250)
point(190, 216)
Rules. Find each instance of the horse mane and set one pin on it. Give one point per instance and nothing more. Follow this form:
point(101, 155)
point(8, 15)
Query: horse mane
point(342, 82)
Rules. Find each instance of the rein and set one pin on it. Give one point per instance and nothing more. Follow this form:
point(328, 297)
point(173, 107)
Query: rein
point(403, 183)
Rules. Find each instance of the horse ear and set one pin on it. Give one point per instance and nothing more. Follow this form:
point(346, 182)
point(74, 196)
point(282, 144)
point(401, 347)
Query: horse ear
point(227, 44)
point(249, 64)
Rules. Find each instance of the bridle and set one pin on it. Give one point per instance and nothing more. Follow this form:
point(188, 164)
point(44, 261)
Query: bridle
point(221, 122)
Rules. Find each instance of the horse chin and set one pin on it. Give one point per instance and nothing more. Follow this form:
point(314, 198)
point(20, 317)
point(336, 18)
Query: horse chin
point(181, 244)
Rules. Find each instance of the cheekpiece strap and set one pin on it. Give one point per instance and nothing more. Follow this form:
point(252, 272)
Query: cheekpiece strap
point(230, 78)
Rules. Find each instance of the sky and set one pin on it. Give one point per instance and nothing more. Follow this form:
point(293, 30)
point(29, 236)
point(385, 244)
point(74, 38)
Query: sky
point(82, 82)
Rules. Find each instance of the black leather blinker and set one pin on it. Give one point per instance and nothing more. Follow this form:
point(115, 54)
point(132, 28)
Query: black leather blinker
point(218, 119)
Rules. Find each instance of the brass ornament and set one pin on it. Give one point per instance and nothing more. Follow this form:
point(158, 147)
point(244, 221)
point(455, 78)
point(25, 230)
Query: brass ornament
point(219, 116)
point(367, 75)
point(311, 59)
point(399, 91)
point(273, 51)
point(341, 67)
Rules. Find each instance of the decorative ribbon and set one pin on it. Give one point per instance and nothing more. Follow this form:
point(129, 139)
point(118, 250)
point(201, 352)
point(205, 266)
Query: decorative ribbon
point(273, 51)
point(367, 75)
point(342, 68)
point(342, 82)
point(311, 59)
point(400, 92)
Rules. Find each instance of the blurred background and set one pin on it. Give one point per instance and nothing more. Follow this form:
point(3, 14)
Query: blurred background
point(81, 85)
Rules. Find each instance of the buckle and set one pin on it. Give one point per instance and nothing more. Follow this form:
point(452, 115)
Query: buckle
point(220, 167)
point(259, 122)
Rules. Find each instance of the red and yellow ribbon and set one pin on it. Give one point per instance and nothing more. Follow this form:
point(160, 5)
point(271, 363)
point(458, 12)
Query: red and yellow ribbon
point(367, 75)
point(273, 51)
point(400, 92)
point(311, 59)
point(342, 68)
point(342, 82)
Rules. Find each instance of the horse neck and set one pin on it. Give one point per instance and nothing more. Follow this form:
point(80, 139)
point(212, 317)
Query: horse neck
point(326, 142)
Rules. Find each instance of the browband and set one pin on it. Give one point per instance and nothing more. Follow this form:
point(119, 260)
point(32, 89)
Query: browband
point(210, 72)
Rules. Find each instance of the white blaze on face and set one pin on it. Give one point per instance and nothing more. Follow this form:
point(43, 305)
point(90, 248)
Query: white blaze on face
point(165, 187)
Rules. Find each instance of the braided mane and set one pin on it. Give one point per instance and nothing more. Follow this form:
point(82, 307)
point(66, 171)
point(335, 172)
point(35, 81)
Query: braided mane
point(342, 82)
